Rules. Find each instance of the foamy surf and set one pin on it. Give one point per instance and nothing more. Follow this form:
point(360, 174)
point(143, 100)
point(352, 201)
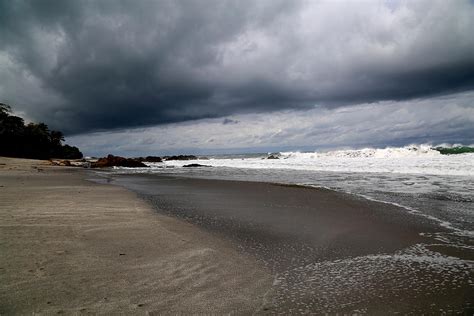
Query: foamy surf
point(419, 159)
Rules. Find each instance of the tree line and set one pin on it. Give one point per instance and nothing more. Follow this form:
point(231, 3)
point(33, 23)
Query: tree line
point(32, 140)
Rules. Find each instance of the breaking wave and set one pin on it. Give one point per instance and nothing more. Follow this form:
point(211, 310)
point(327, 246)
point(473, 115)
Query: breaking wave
point(414, 159)
point(388, 152)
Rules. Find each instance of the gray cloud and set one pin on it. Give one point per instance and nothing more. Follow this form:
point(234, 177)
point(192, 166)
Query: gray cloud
point(446, 119)
point(82, 66)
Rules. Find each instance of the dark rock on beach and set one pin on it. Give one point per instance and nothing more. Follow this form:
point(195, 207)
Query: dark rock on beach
point(65, 163)
point(117, 161)
point(181, 157)
point(273, 157)
point(153, 159)
point(194, 165)
point(70, 163)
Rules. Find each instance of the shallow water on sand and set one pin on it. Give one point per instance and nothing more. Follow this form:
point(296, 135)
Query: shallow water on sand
point(406, 281)
point(434, 276)
point(446, 199)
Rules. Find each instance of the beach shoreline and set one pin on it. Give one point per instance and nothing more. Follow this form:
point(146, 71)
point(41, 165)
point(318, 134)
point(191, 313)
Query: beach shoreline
point(170, 244)
point(328, 251)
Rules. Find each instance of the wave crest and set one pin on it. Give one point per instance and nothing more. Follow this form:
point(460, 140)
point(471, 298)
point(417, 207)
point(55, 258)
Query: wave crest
point(388, 152)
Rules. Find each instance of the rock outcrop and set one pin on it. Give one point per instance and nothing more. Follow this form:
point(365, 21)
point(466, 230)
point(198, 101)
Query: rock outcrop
point(64, 163)
point(194, 165)
point(153, 159)
point(180, 157)
point(117, 161)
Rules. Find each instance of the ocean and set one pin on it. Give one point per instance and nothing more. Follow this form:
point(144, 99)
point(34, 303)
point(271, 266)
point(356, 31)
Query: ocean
point(417, 178)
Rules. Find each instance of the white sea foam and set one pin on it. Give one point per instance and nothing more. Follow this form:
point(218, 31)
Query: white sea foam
point(415, 159)
point(351, 282)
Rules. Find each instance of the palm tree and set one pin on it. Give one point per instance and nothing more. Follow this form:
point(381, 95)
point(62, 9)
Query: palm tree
point(56, 137)
point(5, 109)
point(31, 140)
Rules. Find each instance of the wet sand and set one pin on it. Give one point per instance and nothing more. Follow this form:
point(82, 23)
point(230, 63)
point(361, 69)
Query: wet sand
point(328, 251)
point(71, 246)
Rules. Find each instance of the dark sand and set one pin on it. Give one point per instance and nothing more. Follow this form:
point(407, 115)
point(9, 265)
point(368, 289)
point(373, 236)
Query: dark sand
point(328, 251)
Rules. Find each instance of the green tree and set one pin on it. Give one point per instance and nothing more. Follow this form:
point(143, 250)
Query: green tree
point(33, 140)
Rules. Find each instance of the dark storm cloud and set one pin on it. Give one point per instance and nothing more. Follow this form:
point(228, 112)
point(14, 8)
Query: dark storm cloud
point(91, 65)
point(434, 120)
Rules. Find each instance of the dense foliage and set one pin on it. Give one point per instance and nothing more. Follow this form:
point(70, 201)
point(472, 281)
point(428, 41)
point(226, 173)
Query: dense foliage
point(455, 150)
point(31, 140)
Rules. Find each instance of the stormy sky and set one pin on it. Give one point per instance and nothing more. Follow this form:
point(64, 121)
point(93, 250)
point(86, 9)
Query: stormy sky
point(125, 76)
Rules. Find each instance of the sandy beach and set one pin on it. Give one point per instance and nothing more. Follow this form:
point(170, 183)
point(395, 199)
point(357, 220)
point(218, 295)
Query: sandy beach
point(74, 241)
point(72, 246)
